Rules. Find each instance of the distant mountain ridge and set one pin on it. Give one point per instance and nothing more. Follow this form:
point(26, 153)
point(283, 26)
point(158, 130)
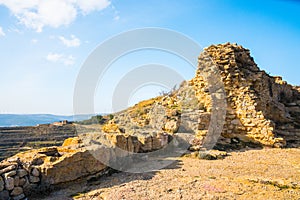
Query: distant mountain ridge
point(9, 120)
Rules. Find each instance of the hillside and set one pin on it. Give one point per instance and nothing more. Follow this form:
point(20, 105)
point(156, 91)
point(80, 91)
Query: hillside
point(231, 132)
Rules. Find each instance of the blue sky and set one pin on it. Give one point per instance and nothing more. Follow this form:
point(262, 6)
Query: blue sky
point(44, 43)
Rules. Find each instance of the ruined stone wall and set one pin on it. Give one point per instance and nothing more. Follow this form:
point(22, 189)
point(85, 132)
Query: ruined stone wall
point(16, 180)
point(256, 102)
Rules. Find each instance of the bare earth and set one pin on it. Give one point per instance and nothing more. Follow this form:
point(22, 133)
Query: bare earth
point(252, 174)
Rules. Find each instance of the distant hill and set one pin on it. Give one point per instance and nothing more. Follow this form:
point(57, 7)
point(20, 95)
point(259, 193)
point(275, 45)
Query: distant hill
point(8, 120)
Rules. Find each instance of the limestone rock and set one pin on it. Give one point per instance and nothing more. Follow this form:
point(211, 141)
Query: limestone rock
point(71, 165)
point(111, 127)
point(72, 141)
point(171, 126)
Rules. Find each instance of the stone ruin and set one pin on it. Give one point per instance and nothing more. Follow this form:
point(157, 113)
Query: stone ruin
point(253, 106)
point(258, 109)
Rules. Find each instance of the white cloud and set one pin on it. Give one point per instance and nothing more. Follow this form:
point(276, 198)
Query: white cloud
point(91, 5)
point(37, 14)
point(61, 58)
point(54, 57)
point(1, 32)
point(73, 42)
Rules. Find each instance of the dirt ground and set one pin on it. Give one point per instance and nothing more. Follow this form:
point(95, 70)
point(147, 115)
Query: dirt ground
point(250, 174)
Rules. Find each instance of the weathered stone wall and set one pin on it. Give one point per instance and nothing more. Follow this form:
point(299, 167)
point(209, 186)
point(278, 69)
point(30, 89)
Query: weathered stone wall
point(258, 105)
point(16, 180)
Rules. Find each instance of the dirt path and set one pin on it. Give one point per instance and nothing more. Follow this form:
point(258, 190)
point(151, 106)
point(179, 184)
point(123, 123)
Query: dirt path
point(253, 174)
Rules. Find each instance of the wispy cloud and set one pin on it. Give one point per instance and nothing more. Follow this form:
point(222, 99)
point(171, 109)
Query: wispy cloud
point(61, 58)
point(14, 30)
point(1, 32)
point(37, 14)
point(72, 42)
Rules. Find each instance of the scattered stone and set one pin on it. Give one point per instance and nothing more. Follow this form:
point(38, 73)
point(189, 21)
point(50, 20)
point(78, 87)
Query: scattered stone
point(212, 155)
